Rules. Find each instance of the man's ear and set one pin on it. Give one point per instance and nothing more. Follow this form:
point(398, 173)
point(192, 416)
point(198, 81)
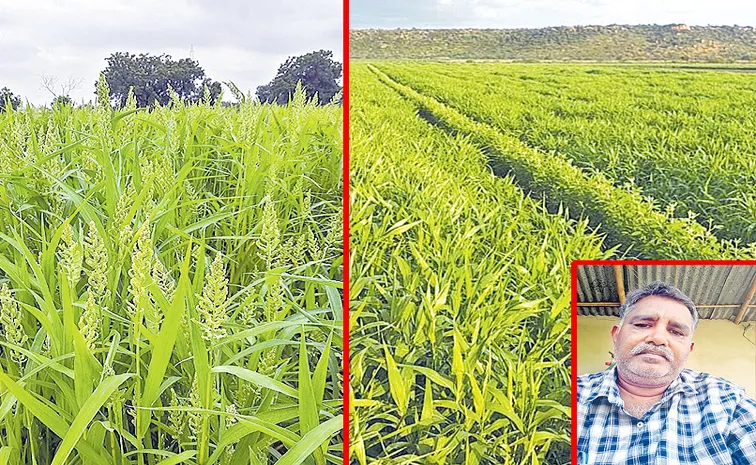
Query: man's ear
point(691, 346)
point(614, 332)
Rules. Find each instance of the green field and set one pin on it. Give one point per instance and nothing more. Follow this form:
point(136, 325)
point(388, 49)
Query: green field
point(474, 185)
point(170, 284)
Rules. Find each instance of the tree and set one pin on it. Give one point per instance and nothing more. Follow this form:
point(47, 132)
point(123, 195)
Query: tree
point(317, 72)
point(62, 100)
point(7, 97)
point(150, 77)
point(63, 97)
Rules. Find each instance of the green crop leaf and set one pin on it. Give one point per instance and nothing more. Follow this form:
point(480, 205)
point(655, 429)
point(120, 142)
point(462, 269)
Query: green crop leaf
point(311, 441)
point(162, 349)
point(399, 391)
point(308, 405)
point(258, 379)
point(85, 415)
point(179, 458)
point(48, 417)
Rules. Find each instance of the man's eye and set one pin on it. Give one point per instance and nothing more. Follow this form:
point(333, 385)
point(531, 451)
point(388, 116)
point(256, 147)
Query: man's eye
point(641, 325)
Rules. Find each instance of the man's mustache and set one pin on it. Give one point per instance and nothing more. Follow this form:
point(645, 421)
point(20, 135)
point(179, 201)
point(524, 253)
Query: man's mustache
point(647, 348)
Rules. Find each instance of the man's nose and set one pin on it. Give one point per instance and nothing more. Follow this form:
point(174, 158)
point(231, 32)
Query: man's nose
point(658, 336)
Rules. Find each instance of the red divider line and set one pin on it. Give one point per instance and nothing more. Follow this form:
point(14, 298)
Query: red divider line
point(573, 361)
point(345, 162)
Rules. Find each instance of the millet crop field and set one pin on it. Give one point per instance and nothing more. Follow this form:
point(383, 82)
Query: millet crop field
point(473, 188)
point(170, 284)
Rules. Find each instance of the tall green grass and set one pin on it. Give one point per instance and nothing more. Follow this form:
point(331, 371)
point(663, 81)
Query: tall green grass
point(170, 284)
point(459, 298)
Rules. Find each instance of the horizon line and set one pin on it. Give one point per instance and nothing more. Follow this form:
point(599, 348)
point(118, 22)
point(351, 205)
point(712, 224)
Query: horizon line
point(409, 28)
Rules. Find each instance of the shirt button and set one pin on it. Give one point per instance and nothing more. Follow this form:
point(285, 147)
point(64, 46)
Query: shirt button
point(640, 424)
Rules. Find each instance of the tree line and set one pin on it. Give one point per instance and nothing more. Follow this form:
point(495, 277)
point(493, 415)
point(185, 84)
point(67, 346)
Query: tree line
point(150, 79)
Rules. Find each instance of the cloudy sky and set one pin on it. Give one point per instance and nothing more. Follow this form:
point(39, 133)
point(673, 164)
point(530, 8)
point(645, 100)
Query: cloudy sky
point(543, 13)
point(237, 40)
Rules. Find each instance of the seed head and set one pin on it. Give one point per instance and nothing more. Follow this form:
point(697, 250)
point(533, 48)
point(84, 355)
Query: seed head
point(89, 323)
point(96, 257)
point(103, 94)
point(175, 99)
point(11, 317)
point(273, 300)
point(175, 417)
point(71, 256)
point(131, 103)
point(116, 399)
point(149, 174)
point(124, 240)
point(299, 96)
point(52, 139)
point(306, 205)
point(249, 315)
point(141, 264)
point(268, 362)
point(175, 141)
point(335, 236)
point(194, 418)
point(163, 279)
point(212, 304)
point(119, 229)
point(231, 418)
point(293, 251)
point(248, 393)
point(271, 177)
point(314, 248)
point(271, 235)
point(206, 99)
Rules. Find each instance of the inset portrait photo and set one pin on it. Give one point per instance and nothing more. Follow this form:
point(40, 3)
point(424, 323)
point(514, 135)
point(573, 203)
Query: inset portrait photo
point(664, 362)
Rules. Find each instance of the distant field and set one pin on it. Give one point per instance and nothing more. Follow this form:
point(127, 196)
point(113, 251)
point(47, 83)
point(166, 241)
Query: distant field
point(474, 185)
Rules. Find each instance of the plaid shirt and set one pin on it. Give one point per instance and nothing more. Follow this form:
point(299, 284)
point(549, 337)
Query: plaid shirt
point(700, 419)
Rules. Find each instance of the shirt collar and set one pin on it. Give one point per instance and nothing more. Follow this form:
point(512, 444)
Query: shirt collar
point(608, 387)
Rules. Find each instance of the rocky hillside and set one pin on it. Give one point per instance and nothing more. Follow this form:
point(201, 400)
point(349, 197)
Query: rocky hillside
point(672, 42)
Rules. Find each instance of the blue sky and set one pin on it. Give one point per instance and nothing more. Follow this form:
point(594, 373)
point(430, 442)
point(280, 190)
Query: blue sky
point(543, 13)
point(237, 40)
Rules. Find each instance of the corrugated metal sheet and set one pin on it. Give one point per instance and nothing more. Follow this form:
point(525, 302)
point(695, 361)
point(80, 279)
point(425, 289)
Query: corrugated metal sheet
point(704, 284)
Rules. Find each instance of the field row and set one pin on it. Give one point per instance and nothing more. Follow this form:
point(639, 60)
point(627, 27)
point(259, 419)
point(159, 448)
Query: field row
point(626, 218)
point(683, 139)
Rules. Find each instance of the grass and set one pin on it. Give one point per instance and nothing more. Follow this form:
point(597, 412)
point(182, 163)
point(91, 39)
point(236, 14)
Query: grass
point(170, 284)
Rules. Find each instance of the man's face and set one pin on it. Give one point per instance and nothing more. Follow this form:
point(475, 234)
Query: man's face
point(654, 342)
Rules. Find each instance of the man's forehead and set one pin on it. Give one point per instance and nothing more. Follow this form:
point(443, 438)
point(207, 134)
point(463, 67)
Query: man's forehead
point(657, 306)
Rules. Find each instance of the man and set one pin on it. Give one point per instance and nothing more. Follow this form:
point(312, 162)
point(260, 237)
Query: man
point(648, 409)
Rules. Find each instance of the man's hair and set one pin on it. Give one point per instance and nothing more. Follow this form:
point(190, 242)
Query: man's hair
point(661, 289)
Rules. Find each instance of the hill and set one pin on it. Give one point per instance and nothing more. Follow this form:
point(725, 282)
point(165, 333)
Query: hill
point(672, 42)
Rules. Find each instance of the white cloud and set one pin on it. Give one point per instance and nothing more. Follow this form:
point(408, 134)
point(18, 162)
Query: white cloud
point(232, 39)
